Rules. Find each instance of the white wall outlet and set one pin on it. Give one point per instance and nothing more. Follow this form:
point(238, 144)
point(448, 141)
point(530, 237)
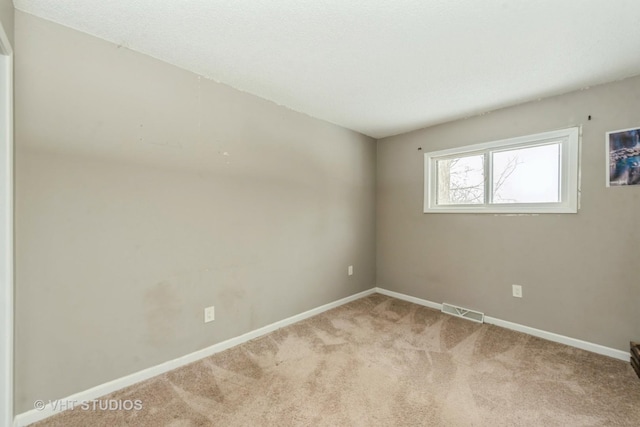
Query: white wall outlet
point(209, 314)
point(517, 291)
point(350, 270)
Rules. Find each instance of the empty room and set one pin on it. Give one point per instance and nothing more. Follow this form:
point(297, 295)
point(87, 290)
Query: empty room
point(328, 213)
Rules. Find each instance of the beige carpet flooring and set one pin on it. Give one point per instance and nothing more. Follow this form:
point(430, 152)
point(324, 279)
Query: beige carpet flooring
point(379, 361)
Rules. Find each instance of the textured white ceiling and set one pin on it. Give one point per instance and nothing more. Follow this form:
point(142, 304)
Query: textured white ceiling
point(380, 67)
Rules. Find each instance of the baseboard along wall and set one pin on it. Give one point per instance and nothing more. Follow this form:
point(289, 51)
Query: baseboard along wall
point(53, 407)
point(573, 342)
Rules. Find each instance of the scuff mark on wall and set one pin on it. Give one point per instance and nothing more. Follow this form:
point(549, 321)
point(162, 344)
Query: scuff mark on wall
point(163, 306)
point(162, 142)
point(225, 154)
point(168, 144)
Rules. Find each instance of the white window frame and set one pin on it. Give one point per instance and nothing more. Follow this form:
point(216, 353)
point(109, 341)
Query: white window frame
point(569, 155)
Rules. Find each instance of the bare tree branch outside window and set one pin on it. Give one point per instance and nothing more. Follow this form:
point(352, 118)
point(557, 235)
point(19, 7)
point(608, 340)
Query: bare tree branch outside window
point(461, 180)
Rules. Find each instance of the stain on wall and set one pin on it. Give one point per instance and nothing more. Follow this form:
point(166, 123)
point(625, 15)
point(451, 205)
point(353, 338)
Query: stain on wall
point(163, 306)
point(146, 193)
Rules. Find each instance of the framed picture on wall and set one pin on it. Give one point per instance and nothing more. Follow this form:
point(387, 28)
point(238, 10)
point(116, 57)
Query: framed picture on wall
point(623, 151)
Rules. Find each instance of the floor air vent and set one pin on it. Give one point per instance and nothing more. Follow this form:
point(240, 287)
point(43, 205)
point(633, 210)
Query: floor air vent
point(465, 313)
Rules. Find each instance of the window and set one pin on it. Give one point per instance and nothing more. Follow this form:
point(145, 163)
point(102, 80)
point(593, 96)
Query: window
point(529, 174)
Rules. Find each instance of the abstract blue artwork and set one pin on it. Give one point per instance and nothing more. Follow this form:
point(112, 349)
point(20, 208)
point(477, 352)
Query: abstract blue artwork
point(623, 148)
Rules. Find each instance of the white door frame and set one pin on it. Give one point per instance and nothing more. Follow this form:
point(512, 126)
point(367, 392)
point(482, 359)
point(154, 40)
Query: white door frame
point(6, 230)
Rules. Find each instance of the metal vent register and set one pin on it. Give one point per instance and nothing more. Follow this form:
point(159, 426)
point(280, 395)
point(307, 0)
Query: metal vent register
point(465, 313)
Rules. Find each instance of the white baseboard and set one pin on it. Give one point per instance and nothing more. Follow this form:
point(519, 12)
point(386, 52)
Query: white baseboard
point(53, 407)
point(49, 409)
point(408, 298)
point(573, 342)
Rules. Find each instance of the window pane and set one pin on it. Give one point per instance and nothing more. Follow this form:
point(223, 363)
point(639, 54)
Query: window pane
point(461, 180)
point(527, 175)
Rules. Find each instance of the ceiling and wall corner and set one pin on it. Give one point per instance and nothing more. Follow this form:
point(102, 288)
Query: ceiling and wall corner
point(295, 188)
point(573, 269)
point(145, 193)
point(378, 67)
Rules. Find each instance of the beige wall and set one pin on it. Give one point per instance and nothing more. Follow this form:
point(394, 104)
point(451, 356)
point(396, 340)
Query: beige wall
point(6, 17)
point(578, 272)
point(145, 193)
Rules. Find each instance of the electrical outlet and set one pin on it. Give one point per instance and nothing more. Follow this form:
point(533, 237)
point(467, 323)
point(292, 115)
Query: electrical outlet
point(350, 270)
point(209, 314)
point(517, 291)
